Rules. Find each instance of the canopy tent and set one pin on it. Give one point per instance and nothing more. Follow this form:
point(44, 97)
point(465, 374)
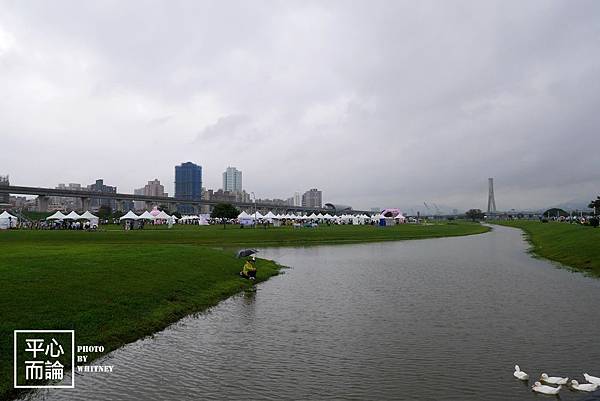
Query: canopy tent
point(72, 216)
point(257, 215)
point(328, 216)
point(88, 216)
point(147, 216)
point(56, 216)
point(155, 211)
point(7, 220)
point(130, 216)
point(203, 220)
point(313, 216)
point(162, 215)
point(245, 219)
point(94, 220)
point(269, 215)
point(400, 218)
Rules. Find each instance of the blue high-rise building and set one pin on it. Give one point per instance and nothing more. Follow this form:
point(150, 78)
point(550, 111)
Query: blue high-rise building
point(188, 185)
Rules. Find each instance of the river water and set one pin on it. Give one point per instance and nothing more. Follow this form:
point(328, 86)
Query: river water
point(436, 319)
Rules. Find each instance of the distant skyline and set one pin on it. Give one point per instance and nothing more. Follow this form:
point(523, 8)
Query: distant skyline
point(384, 103)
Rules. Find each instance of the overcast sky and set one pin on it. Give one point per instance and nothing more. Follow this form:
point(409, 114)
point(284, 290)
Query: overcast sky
point(377, 103)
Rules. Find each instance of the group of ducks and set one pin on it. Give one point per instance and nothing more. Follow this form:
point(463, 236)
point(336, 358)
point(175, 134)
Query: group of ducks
point(593, 383)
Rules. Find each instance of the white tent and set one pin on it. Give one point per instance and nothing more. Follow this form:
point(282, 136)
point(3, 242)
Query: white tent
point(7, 220)
point(245, 219)
point(130, 216)
point(72, 216)
point(269, 215)
point(257, 215)
point(147, 216)
point(313, 216)
point(400, 218)
point(91, 218)
point(162, 216)
point(56, 216)
point(88, 216)
point(328, 216)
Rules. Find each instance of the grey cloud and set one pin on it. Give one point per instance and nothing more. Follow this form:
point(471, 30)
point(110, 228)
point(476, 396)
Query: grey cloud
point(383, 103)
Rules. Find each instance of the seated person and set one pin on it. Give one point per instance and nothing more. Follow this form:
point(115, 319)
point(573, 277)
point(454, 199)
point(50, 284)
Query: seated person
point(249, 269)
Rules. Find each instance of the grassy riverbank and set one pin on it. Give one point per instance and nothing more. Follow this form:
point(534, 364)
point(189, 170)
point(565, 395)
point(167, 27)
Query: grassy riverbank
point(113, 287)
point(572, 245)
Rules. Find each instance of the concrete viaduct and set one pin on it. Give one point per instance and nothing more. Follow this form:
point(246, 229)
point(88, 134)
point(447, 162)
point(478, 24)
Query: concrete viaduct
point(86, 196)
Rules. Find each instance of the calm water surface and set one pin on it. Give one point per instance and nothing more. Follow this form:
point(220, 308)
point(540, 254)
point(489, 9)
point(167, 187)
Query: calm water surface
point(414, 320)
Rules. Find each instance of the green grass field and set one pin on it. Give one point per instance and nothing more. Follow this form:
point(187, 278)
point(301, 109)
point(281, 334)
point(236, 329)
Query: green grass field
point(113, 286)
point(572, 245)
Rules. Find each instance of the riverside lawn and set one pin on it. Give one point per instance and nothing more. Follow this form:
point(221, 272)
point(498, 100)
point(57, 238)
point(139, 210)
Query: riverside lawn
point(113, 286)
point(573, 245)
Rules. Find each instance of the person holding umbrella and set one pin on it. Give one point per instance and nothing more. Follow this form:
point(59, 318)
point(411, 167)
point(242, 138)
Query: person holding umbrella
point(249, 269)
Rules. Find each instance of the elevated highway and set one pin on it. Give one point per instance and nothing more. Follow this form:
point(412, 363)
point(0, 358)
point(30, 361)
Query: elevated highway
point(85, 195)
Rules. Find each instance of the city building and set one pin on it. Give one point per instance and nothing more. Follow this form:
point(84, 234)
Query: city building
point(273, 202)
point(18, 202)
point(65, 203)
point(188, 185)
point(152, 188)
point(297, 199)
point(232, 180)
point(226, 196)
point(97, 203)
point(221, 196)
point(4, 198)
point(312, 198)
point(139, 205)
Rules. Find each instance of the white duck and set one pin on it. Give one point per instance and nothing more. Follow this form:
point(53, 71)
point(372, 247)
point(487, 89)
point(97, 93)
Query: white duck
point(591, 379)
point(553, 379)
point(519, 374)
point(584, 387)
point(540, 388)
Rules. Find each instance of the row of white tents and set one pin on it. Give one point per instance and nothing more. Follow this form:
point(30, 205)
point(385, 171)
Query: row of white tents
point(87, 215)
point(345, 218)
point(164, 217)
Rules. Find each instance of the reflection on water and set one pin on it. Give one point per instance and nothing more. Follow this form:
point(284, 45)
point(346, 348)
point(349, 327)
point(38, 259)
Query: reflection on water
point(415, 320)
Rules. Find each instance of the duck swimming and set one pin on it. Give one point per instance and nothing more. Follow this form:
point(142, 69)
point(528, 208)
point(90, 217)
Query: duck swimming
point(584, 387)
point(591, 379)
point(540, 388)
point(520, 374)
point(553, 380)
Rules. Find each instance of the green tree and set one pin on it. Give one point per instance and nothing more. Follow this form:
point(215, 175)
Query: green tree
point(104, 212)
point(555, 212)
point(224, 211)
point(474, 214)
point(595, 204)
